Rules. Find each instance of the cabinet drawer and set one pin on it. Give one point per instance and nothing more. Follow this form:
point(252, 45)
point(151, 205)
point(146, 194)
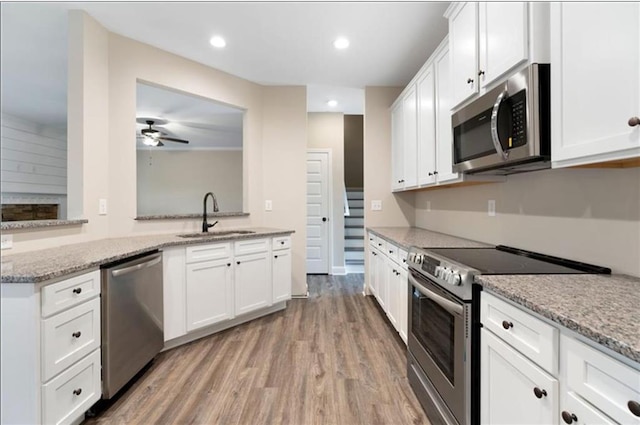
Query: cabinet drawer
point(391, 251)
point(373, 239)
point(250, 246)
point(69, 336)
point(601, 380)
point(585, 413)
point(67, 293)
point(531, 336)
point(208, 252)
point(402, 257)
point(283, 242)
point(70, 394)
point(381, 244)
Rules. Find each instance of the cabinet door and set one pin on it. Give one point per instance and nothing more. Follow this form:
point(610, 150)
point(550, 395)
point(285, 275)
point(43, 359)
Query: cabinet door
point(508, 380)
point(594, 90)
point(393, 298)
point(463, 30)
point(444, 138)
point(381, 280)
point(373, 274)
point(503, 34)
point(253, 282)
point(281, 275)
point(410, 139)
point(397, 152)
point(426, 128)
point(209, 293)
point(174, 292)
point(404, 304)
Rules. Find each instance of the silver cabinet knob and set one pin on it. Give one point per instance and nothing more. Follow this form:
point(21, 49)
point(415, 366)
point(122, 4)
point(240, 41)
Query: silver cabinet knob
point(634, 121)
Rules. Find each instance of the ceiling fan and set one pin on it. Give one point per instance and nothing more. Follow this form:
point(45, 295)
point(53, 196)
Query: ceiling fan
point(154, 137)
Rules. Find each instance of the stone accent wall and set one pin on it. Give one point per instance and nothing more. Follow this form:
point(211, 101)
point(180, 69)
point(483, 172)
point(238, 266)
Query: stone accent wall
point(27, 212)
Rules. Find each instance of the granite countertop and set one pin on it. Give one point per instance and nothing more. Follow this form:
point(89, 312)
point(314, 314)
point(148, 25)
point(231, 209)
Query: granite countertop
point(603, 308)
point(47, 264)
point(37, 224)
point(407, 237)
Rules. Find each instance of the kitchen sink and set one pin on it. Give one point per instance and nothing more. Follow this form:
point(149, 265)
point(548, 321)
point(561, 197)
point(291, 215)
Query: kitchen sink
point(216, 233)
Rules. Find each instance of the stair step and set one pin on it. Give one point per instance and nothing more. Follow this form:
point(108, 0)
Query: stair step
point(354, 243)
point(353, 255)
point(355, 231)
point(353, 221)
point(356, 262)
point(356, 203)
point(355, 195)
point(361, 237)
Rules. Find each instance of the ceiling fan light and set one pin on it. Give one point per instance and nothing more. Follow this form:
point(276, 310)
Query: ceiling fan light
point(150, 141)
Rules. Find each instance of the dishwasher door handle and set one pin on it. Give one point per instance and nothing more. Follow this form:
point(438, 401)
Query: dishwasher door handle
point(131, 269)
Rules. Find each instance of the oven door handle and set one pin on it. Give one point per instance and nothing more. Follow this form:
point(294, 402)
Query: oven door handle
point(448, 305)
point(494, 126)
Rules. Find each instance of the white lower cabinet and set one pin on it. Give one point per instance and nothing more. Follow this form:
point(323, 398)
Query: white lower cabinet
point(387, 277)
point(209, 293)
point(587, 387)
point(511, 385)
point(50, 350)
point(209, 284)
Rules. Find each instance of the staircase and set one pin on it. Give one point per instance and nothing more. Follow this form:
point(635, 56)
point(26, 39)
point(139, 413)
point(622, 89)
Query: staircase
point(354, 231)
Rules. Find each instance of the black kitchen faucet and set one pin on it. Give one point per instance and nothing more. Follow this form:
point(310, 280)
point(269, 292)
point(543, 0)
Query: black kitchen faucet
point(205, 225)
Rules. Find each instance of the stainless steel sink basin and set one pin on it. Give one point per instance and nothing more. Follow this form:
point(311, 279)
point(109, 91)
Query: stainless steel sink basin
point(217, 233)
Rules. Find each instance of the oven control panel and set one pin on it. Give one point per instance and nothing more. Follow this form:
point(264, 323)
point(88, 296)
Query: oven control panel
point(439, 269)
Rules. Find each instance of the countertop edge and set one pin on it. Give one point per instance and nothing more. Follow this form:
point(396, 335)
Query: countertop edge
point(39, 224)
point(34, 279)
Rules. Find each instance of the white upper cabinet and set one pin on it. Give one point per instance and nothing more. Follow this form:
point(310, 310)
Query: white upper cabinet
point(410, 139)
point(397, 158)
point(463, 33)
point(444, 135)
point(426, 126)
point(503, 29)
point(595, 82)
point(490, 40)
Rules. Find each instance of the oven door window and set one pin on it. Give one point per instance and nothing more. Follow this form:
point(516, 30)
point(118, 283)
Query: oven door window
point(434, 328)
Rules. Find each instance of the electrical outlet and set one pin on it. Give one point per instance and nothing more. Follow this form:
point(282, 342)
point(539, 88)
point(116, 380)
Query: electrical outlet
point(376, 205)
point(7, 241)
point(428, 206)
point(491, 208)
point(268, 205)
point(102, 206)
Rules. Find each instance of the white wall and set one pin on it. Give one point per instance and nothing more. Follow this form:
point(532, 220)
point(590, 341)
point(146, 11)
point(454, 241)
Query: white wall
point(588, 215)
point(326, 131)
point(175, 181)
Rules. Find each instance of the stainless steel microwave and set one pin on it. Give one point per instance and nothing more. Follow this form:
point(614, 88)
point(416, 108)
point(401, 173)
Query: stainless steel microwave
point(506, 130)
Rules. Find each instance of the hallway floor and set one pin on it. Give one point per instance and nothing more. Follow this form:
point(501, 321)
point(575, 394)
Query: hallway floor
point(328, 359)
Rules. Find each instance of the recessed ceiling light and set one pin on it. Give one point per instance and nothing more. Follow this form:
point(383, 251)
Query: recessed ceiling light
point(341, 43)
point(217, 41)
point(332, 103)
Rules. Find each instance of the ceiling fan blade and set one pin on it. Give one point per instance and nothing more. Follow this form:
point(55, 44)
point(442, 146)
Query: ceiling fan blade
point(160, 143)
point(172, 139)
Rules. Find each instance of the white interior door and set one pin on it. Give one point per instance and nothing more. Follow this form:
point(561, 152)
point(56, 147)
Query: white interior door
point(317, 212)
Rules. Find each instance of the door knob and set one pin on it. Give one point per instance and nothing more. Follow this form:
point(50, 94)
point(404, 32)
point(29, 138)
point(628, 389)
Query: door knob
point(634, 121)
point(324, 218)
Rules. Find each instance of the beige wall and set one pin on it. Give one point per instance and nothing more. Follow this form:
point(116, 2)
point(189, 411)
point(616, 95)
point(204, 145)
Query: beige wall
point(589, 215)
point(284, 136)
point(397, 209)
point(326, 131)
point(353, 159)
point(175, 181)
point(103, 73)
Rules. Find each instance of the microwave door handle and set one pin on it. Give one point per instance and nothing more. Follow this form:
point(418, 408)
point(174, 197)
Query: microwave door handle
point(450, 306)
point(494, 126)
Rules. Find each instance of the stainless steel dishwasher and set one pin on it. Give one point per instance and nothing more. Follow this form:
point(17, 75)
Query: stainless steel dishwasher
point(132, 318)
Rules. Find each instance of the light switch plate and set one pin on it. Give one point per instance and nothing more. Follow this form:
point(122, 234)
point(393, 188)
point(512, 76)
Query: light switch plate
point(268, 205)
point(102, 206)
point(376, 205)
point(7, 241)
point(491, 208)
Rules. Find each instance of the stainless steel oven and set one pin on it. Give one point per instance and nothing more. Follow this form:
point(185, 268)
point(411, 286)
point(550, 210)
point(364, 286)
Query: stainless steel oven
point(439, 344)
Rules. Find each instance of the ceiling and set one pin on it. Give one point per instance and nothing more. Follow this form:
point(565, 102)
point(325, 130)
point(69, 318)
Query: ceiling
point(271, 43)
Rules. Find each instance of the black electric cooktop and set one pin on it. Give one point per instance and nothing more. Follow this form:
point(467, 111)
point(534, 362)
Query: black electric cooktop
point(506, 260)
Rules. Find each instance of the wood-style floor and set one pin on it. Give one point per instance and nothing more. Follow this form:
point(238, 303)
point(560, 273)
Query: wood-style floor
point(328, 359)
